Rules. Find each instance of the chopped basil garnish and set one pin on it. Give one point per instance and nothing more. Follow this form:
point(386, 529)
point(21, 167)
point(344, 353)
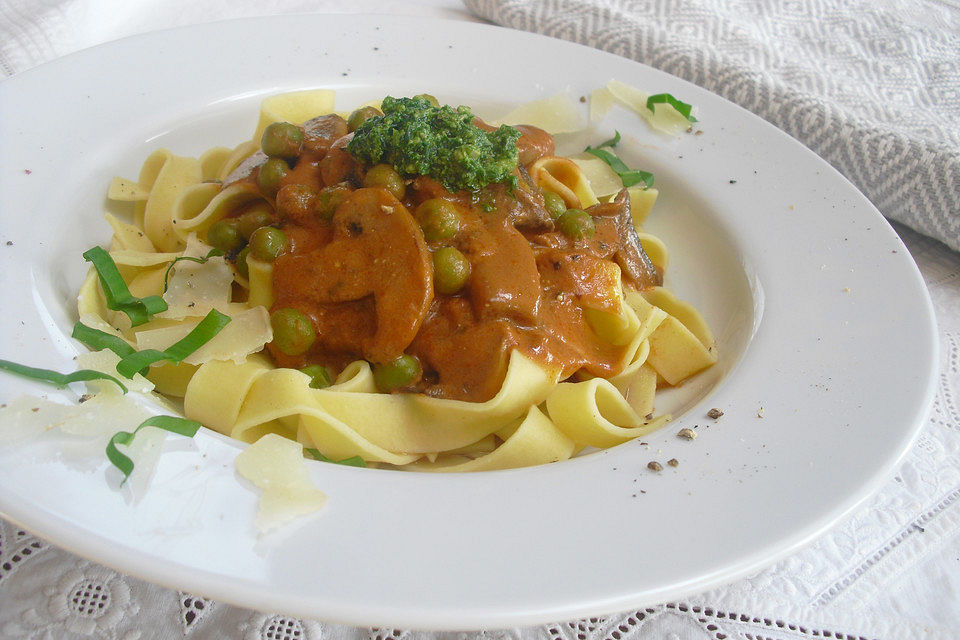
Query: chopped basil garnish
point(166, 275)
point(180, 426)
point(665, 98)
point(55, 377)
point(353, 461)
point(200, 335)
point(629, 177)
point(117, 294)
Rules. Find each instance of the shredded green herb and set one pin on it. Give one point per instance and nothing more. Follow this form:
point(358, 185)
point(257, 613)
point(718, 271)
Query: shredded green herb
point(166, 274)
point(55, 377)
point(665, 98)
point(180, 426)
point(353, 461)
point(629, 177)
point(117, 294)
point(210, 326)
point(98, 340)
point(612, 142)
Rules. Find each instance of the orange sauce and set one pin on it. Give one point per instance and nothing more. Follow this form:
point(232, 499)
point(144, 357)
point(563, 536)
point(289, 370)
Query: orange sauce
point(365, 279)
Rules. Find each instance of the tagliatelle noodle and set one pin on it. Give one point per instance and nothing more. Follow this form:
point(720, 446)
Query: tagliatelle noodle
point(260, 282)
point(295, 106)
point(565, 178)
point(400, 423)
point(204, 204)
point(641, 202)
point(217, 390)
point(212, 161)
point(594, 413)
point(682, 344)
point(240, 153)
point(535, 441)
point(127, 236)
point(656, 250)
point(171, 176)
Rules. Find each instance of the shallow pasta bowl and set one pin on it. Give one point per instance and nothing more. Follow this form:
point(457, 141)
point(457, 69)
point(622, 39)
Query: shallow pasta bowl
point(825, 331)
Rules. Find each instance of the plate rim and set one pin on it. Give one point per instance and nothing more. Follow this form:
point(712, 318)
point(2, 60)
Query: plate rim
point(443, 619)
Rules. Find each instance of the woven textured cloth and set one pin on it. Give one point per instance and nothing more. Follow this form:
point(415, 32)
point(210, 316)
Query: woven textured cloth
point(872, 87)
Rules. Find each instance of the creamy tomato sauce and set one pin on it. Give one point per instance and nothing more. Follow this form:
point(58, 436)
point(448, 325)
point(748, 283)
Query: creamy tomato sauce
point(365, 276)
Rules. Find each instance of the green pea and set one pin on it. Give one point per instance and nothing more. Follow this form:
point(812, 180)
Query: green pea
point(402, 371)
point(576, 223)
point(451, 270)
point(438, 218)
point(282, 140)
point(295, 201)
point(329, 199)
point(319, 376)
point(293, 331)
point(360, 116)
point(241, 263)
point(271, 173)
point(554, 204)
point(225, 235)
point(268, 243)
point(257, 215)
point(429, 98)
point(386, 177)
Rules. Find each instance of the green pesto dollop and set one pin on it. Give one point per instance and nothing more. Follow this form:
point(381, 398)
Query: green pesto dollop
point(418, 138)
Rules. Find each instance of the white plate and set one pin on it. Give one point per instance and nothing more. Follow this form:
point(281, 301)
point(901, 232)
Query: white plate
point(823, 322)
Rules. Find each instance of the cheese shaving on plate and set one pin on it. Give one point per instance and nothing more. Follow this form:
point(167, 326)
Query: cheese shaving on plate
point(557, 114)
point(276, 465)
point(246, 333)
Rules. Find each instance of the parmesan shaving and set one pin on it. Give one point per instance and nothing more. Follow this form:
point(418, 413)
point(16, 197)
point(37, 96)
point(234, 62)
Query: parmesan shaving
point(557, 114)
point(603, 180)
point(106, 361)
point(276, 465)
point(26, 417)
point(247, 333)
point(601, 101)
point(664, 118)
point(195, 289)
point(84, 430)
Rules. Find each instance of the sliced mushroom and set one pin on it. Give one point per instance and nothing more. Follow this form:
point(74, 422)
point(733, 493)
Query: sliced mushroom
point(338, 165)
point(322, 132)
point(631, 257)
point(534, 143)
point(377, 253)
point(245, 168)
point(522, 206)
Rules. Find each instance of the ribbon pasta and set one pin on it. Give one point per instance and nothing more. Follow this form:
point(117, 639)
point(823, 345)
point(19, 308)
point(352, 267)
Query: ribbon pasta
point(235, 389)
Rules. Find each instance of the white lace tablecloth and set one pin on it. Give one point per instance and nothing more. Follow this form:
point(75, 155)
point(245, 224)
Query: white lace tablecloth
point(873, 87)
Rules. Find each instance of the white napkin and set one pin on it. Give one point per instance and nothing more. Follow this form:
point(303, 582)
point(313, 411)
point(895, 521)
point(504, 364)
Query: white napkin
point(872, 87)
